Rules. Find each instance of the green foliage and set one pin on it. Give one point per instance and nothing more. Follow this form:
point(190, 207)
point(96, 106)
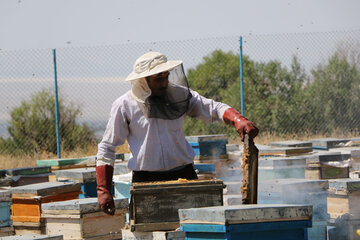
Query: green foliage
point(277, 99)
point(33, 127)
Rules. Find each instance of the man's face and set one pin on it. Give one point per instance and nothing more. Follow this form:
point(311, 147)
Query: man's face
point(158, 83)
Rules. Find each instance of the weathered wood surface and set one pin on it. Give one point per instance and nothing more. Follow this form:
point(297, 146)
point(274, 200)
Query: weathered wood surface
point(28, 209)
point(89, 226)
point(61, 162)
point(165, 235)
point(44, 189)
point(7, 231)
point(5, 195)
point(80, 206)
point(28, 171)
point(205, 138)
point(246, 214)
point(327, 143)
point(249, 167)
point(33, 237)
point(352, 152)
point(82, 175)
point(265, 150)
point(158, 202)
point(291, 143)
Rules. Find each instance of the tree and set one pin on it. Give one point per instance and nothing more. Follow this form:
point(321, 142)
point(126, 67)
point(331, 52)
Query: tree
point(33, 127)
point(335, 97)
point(272, 93)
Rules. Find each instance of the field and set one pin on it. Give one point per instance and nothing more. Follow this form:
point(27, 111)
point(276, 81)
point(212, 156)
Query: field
point(8, 162)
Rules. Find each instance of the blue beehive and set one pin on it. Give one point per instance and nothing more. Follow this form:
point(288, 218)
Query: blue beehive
point(251, 221)
point(5, 204)
point(85, 176)
point(208, 147)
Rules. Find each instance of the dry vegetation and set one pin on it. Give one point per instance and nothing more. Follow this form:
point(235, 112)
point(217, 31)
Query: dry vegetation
point(8, 162)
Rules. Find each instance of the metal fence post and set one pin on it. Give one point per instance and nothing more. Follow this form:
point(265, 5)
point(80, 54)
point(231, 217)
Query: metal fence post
point(241, 80)
point(56, 108)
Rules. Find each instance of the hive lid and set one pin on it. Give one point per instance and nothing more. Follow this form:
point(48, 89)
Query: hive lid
point(80, 206)
point(204, 138)
point(47, 188)
point(246, 213)
point(28, 171)
point(34, 237)
point(78, 174)
point(176, 183)
point(291, 143)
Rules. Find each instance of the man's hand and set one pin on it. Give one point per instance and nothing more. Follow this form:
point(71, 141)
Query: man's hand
point(104, 174)
point(242, 125)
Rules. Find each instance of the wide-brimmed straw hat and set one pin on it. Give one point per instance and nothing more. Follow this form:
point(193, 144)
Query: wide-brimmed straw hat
point(151, 63)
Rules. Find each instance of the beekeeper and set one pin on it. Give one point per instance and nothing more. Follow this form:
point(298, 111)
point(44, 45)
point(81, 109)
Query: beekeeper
point(150, 117)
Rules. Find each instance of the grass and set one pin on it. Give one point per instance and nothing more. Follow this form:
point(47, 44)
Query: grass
point(8, 162)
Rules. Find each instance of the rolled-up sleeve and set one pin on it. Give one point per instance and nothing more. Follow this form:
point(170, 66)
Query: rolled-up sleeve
point(116, 132)
point(206, 109)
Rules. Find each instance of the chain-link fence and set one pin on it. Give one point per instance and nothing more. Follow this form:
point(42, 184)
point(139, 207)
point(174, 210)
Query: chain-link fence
point(293, 83)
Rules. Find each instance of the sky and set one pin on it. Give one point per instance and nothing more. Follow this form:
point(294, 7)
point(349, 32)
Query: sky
point(37, 24)
point(97, 41)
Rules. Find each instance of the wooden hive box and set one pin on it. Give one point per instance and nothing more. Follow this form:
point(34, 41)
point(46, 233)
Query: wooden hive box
point(327, 143)
point(252, 221)
point(327, 165)
point(353, 152)
point(157, 235)
point(205, 170)
point(155, 204)
point(5, 204)
point(27, 201)
point(83, 219)
point(306, 191)
point(344, 198)
point(281, 167)
point(86, 176)
point(265, 150)
point(7, 231)
point(28, 175)
point(67, 163)
point(291, 143)
point(34, 237)
point(208, 147)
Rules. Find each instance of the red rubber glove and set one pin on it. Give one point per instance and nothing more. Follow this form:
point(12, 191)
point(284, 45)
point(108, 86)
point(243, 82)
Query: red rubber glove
point(242, 125)
point(104, 174)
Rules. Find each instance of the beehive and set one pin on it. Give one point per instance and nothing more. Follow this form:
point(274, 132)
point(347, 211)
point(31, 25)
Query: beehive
point(252, 221)
point(27, 201)
point(83, 219)
point(155, 204)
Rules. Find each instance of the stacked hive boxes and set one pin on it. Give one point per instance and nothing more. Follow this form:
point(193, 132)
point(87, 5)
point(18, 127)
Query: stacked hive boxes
point(253, 221)
point(327, 165)
point(27, 201)
point(6, 228)
point(85, 176)
point(83, 219)
point(25, 176)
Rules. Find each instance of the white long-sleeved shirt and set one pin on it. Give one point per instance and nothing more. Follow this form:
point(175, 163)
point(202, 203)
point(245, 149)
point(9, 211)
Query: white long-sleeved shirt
point(156, 144)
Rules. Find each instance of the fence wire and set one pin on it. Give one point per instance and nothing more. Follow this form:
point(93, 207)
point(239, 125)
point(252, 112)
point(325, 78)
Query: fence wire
point(293, 83)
